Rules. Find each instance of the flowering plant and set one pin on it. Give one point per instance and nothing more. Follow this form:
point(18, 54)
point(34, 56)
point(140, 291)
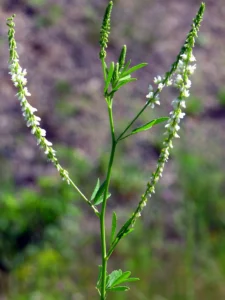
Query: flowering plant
point(115, 76)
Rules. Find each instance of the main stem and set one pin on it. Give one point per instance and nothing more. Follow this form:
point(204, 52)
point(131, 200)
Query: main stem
point(103, 211)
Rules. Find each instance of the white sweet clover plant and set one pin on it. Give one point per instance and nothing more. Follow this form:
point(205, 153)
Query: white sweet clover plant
point(116, 75)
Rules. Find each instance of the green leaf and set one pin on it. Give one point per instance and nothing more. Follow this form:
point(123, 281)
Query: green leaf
point(126, 66)
point(127, 232)
point(125, 278)
point(122, 278)
point(95, 189)
point(113, 277)
point(99, 192)
point(133, 69)
point(132, 279)
point(122, 83)
point(124, 78)
point(113, 229)
point(100, 200)
point(109, 76)
point(119, 289)
point(149, 125)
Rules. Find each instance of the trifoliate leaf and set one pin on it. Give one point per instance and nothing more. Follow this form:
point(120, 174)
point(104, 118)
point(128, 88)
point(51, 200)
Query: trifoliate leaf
point(125, 278)
point(149, 125)
point(113, 277)
point(122, 278)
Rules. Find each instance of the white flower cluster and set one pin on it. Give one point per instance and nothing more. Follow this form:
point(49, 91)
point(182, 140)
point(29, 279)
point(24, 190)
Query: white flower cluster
point(183, 83)
point(153, 97)
point(32, 121)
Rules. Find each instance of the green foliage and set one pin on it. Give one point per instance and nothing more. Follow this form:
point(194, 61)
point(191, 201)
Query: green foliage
point(25, 218)
point(114, 280)
point(221, 96)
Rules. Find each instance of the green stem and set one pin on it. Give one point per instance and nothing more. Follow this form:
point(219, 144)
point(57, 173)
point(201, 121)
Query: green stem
point(103, 211)
point(132, 122)
point(85, 198)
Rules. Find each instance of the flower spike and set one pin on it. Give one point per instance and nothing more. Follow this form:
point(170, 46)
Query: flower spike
point(18, 78)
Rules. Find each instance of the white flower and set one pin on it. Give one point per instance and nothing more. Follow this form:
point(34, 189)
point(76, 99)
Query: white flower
point(26, 93)
point(192, 58)
point(169, 82)
point(158, 79)
point(184, 56)
point(181, 115)
point(150, 95)
point(183, 104)
point(191, 69)
point(160, 86)
point(176, 135)
point(186, 94)
point(177, 127)
point(188, 84)
point(42, 132)
point(48, 143)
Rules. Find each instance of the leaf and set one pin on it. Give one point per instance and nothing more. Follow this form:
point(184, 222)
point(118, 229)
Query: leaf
point(132, 279)
point(123, 82)
point(133, 69)
point(149, 125)
point(113, 277)
point(126, 66)
point(100, 200)
point(113, 229)
point(109, 77)
point(125, 278)
point(127, 232)
point(95, 189)
point(119, 289)
point(124, 78)
point(122, 278)
point(99, 192)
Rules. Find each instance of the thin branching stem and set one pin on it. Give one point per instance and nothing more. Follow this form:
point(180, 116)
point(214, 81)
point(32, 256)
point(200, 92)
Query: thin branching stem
point(103, 211)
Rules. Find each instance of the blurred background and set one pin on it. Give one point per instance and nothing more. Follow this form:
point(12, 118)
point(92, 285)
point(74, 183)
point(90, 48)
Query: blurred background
point(49, 238)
